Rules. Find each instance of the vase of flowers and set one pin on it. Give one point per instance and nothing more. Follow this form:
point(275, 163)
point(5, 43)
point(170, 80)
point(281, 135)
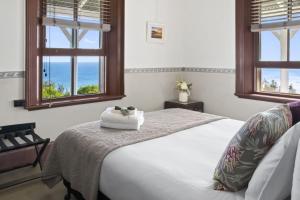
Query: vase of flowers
point(184, 90)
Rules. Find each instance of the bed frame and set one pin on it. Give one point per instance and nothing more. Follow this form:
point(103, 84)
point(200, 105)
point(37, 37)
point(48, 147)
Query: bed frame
point(77, 194)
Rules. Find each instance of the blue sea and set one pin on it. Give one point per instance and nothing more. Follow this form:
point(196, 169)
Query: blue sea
point(60, 73)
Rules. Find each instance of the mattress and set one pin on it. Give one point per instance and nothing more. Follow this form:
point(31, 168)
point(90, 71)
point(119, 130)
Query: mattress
point(176, 167)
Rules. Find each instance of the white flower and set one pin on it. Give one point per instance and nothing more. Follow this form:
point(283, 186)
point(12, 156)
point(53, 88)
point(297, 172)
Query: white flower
point(184, 86)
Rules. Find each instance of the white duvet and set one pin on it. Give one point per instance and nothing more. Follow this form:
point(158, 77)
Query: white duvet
point(176, 167)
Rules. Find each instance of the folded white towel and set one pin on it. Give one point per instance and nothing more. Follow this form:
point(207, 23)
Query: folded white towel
point(131, 112)
point(112, 117)
point(123, 126)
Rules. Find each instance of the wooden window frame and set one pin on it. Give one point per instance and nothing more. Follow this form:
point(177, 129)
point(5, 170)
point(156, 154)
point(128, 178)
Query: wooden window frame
point(114, 51)
point(247, 59)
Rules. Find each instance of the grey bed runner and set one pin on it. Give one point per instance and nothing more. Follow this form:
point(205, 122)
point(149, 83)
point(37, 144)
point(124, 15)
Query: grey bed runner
point(78, 153)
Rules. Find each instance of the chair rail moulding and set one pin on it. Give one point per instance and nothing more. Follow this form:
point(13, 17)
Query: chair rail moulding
point(20, 74)
point(12, 74)
point(154, 69)
point(210, 70)
point(218, 70)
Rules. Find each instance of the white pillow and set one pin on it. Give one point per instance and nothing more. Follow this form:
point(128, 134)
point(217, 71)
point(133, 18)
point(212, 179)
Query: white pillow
point(296, 177)
point(273, 177)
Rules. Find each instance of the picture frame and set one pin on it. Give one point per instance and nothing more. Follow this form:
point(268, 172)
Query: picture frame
point(156, 32)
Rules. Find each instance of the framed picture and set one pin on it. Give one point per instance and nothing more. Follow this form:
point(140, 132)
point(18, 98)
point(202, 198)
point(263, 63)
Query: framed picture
point(155, 32)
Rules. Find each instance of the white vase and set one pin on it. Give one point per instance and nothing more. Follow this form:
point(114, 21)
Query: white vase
point(183, 97)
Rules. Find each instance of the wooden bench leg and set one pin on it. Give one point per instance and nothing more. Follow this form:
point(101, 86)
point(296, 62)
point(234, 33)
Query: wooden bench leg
point(40, 153)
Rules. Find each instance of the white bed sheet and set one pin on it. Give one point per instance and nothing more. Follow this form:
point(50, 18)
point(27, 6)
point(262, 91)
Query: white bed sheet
point(176, 167)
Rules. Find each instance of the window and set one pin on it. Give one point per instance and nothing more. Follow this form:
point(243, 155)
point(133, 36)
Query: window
point(268, 50)
point(280, 47)
point(75, 52)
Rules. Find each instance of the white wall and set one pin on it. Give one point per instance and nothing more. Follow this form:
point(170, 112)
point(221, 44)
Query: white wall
point(12, 40)
point(147, 91)
point(210, 38)
point(138, 52)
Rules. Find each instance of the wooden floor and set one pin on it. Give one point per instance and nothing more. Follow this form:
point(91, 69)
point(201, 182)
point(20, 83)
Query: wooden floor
point(33, 190)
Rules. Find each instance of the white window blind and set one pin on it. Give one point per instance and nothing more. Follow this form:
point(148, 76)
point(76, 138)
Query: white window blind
point(77, 14)
point(274, 14)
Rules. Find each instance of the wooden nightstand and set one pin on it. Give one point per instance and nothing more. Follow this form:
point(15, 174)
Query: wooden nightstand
point(191, 105)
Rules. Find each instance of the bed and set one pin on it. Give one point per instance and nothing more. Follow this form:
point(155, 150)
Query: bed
point(179, 166)
point(173, 157)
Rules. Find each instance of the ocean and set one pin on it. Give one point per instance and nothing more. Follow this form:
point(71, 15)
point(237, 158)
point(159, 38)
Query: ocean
point(60, 74)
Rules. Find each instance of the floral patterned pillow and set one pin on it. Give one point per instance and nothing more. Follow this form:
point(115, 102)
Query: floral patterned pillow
point(249, 146)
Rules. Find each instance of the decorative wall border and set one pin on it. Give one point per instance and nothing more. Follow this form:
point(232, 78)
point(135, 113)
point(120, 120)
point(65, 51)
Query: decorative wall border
point(20, 74)
point(180, 69)
point(210, 70)
point(12, 74)
point(154, 70)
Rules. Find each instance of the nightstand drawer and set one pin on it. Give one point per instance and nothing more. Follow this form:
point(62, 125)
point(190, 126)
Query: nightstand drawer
point(192, 105)
point(198, 108)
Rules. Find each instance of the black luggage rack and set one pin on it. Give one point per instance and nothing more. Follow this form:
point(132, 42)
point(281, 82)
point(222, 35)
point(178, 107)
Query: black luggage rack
point(20, 136)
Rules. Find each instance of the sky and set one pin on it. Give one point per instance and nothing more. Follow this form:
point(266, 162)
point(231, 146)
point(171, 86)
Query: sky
point(271, 47)
point(57, 39)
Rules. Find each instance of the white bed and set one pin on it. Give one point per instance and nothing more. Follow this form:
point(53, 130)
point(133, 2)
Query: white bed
point(176, 167)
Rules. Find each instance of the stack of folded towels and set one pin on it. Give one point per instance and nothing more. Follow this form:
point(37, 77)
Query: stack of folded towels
point(122, 118)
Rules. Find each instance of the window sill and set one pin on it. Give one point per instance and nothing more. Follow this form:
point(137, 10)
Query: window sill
point(63, 103)
point(269, 97)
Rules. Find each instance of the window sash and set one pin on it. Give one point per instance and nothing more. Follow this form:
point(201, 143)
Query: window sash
point(272, 64)
point(259, 65)
point(74, 82)
point(278, 64)
point(73, 53)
